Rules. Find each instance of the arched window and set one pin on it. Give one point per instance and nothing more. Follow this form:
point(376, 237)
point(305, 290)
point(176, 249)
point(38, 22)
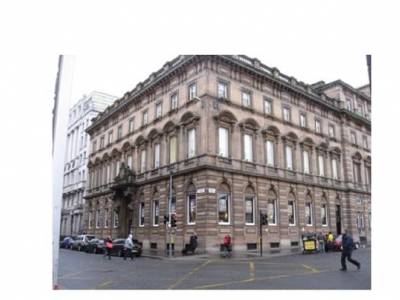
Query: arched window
point(173, 149)
point(272, 208)
point(291, 210)
point(249, 205)
point(191, 205)
point(324, 211)
point(223, 204)
point(141, 210)
point(308, 211)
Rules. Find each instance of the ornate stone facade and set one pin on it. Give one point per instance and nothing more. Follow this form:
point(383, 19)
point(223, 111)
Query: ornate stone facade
point(238, 138)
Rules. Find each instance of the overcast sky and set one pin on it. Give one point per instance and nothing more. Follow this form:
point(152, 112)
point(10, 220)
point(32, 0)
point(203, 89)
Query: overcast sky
point(117, 74)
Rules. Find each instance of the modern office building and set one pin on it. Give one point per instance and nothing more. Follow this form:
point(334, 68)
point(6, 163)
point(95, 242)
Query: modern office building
point(76, 158)
point(236, 138)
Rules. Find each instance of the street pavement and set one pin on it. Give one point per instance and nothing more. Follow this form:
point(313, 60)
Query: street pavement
point(79, 270)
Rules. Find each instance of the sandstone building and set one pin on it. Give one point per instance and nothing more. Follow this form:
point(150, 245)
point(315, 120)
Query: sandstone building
point(237, 137)
point(76, 159)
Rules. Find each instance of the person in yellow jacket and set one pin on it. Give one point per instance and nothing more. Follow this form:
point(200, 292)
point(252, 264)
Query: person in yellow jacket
point(330, 241)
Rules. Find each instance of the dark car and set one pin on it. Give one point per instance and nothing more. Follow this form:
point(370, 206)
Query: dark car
point(337, 244)
point(81, 242)
point(119, 247)
point(67, 242)
point(95, 246)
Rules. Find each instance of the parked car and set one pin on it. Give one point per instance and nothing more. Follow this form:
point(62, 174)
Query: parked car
point(337, 244)
point(67, 242)
point(95, 246)
point(119, 247)
point(81, 242)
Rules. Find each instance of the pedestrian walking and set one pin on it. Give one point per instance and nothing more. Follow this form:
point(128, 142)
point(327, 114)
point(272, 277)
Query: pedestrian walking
point(108, 248)
point(128, 247)
point(347, 249)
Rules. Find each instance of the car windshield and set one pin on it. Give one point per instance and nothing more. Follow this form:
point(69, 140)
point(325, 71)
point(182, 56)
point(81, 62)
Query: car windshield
point(90, 237)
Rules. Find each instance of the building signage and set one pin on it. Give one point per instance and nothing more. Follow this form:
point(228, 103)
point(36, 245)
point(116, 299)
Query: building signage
point(211, 190)
point(200, 191)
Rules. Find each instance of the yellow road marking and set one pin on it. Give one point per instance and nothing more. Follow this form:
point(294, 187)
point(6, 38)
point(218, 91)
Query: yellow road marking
point(310, 268)
point(260, 278)
point(252, 271)
point(104, 284)
point(179, 281)
point(71, 274)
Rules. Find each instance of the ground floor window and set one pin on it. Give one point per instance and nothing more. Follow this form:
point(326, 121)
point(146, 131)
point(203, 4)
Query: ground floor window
point(308, 213)
point(324, 215)
point(192, 209)
point(141, 214)
point(249, 210)
point(271, 210)
point(106, 218)
point(223, 208)
point(116, 219)
point(156, 212)
point(291, 213)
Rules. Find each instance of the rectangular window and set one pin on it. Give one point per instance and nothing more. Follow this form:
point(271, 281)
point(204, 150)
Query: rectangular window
point(110, 137)
point(173, 205)
point(248, 147)
point(365, 142)
point(129, 161)
point(286, 114)
point(223, 208)
point(141, 214)
point(331, 130)
point(116, 219)
point(156, 213)
point(158, 110)
point(321, 169)
point(317, 126)
point(334, 169)
point(94, 146)
point(270, 153)
point(90, 219)
point(223, 141)
point(98, 218)
point(173, 149)
point(142, 161)
point(271, 211)
point(192, 91)
point(308, 213)
point(131, 125)
point(291, 213)
point(102, 142)
point(106, 224)
point(324, 215)
point(222, 90)
point(174, 101)
point(192, 206)
point(119, 132)
point(268, 106)
point(249, 210)
point(289, 158)
point(156, 155)
point(191, 143)
point(108, 175)
point(246, 99)
point(303, 122)
point(353, 138)
point(357, 172)
point(145, 118)
point(368, 175)
point(306, 162)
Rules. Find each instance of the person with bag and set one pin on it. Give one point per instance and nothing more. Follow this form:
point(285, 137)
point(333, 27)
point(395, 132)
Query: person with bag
point(227, 245)
point(108, 248)
point(128, 247)
point(347, 249)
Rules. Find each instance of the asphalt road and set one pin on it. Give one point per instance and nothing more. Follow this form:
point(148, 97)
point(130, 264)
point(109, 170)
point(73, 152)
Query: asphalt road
point(79, 270)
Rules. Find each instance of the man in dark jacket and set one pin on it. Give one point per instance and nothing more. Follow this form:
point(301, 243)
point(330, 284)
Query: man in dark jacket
point(347, 249)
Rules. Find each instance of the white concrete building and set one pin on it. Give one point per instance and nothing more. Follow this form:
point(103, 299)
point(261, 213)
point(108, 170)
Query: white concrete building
point(76, 156)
